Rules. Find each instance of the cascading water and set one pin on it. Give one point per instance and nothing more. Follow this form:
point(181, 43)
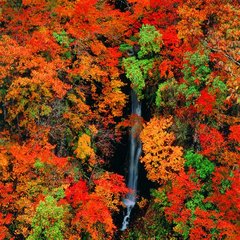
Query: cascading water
point(135, 153)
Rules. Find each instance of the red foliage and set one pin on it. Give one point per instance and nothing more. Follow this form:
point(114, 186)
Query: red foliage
point(205, 102)
point(211, 140)
point(91, 209)
point(202, 224)
point(170, 37)
point(182, 188)
point(6, 198)
point(235, 133)
point(60, 75)
point(6, 191)
point(226, 200)
point(4, 221)
point(93, 213)
point(77, 193)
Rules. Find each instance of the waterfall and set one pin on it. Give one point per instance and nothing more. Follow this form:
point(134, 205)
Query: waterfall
point(135, 153)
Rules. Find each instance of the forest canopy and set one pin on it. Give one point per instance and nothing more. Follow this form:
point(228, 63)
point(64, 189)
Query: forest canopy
point(67, 68)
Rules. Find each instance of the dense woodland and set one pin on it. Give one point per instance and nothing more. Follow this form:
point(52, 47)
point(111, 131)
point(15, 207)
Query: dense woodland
point(66, 71)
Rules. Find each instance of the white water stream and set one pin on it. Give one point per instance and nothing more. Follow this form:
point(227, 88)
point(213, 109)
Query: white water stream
point(135, 153)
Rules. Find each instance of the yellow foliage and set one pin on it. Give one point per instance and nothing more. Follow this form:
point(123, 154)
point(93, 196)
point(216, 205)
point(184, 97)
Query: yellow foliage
point(161, 159)
point(93, 129)
point(84, 149)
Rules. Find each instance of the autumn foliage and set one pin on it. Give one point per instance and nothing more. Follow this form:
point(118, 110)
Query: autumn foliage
point(162, 160)
point(66, 70)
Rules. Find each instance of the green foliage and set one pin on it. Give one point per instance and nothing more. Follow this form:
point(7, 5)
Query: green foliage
point(48, 222)
point(191, 92)
point(184, 229)
point(196, 73)
point(208, 206)
point(225, 185)
point(62, 38)
point(198, 59)
point(150, 41)
point(67, 55)
point(38, 164)
point(161, 198)
point(219, 88)
point(15, 3)
point(125, 47)
point(198, 62)
point(166, 94)
point(195, 201)
point(203, 72)
point(45, 110)
point(137, 68)
point(136, 71)
point(59, 193)
point(220, 85)
point(159, 99)
point(203, 166)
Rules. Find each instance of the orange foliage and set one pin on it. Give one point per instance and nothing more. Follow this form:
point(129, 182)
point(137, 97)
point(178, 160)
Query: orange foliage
point(161, 159)
point(61, 96)
point(229, 158)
